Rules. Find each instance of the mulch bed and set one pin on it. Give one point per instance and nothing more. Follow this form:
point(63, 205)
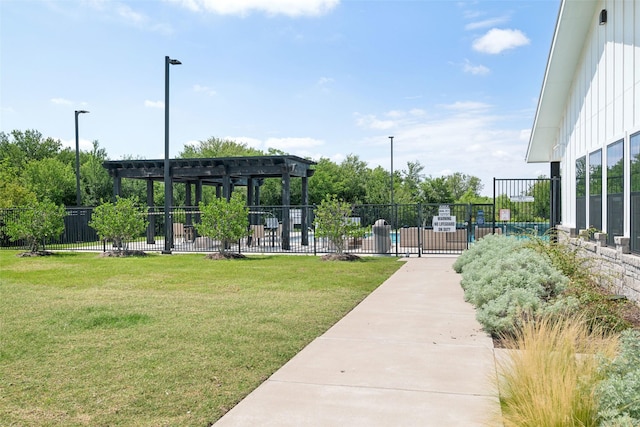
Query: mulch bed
point(31, 254)
point(340, 257)
point(225, 255)
point(123, 254)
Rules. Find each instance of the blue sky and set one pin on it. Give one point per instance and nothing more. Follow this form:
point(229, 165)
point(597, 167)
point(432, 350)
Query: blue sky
point(455, 82)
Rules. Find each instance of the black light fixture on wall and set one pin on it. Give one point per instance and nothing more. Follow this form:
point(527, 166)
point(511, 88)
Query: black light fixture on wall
point(603, 16)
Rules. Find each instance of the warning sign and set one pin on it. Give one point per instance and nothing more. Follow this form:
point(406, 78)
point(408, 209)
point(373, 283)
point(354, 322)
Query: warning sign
point(505, 214)
point(444, 224)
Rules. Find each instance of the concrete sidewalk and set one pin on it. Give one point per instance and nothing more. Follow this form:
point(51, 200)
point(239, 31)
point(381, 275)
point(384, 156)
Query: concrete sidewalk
point(411, 354)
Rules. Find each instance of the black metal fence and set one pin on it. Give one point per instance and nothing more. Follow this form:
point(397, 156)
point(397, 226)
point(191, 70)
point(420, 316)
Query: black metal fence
point(384, 229)
point(522, 206)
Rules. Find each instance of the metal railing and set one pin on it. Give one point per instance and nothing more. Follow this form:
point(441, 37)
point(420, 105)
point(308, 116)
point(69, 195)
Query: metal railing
point(399, 230)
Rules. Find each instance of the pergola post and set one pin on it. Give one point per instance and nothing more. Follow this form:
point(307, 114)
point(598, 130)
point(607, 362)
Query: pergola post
point(187, 202)
point(198, 200)
point(304, 214)
point(117, 187)
point(226, 187)
point(151, 228)
point(286, 202)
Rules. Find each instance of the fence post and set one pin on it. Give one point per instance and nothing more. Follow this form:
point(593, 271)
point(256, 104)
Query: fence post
point(420, 228)
point(555, 211)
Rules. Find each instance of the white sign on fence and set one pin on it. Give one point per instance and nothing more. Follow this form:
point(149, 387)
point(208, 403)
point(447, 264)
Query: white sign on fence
point(444, 224)
point(522, 199)
point(444, 210)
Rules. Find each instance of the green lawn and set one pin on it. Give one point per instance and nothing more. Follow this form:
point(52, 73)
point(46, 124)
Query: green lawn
point(160, 340)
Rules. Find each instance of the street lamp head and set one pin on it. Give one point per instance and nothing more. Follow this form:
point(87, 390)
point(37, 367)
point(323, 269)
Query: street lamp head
point(174, 62)
point(81, 111)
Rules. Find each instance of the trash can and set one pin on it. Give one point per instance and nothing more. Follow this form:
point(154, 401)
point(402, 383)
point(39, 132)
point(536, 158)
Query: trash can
point(381, 236)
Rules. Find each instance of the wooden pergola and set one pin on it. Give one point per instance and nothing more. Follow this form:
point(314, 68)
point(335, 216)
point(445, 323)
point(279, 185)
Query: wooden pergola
point(225, 173)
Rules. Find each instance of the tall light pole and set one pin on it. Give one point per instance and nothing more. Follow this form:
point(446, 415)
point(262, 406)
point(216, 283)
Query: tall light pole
point(168, 191)
point(78, 196)
point(391, 138)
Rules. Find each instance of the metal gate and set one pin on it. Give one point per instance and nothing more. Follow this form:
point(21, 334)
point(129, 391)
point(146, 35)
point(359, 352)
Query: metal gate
point(525, 206)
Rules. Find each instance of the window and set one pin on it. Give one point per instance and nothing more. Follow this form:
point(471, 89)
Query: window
point(635, 192)
point(581, 193)
point(615, 190)
point(595, 189)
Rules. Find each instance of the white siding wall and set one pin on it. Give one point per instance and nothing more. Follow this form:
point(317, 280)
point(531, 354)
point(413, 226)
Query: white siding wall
point(604, 102)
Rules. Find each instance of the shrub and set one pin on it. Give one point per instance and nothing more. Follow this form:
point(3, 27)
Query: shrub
point(587, 287)
point(119, 222)
point(522, 269)
point(550, 376)
point(37, 222)
point(224, 220)
point(619, 393)
point(486, 250)
point(506, 281)
point(334, 223)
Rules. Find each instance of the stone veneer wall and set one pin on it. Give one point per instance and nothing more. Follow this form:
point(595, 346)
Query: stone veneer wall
point(616, 263)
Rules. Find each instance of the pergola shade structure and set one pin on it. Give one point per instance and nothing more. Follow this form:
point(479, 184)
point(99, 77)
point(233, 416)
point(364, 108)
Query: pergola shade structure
point(225, 173)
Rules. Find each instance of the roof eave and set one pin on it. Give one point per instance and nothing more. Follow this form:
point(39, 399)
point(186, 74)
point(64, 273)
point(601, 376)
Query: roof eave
point(575, 19)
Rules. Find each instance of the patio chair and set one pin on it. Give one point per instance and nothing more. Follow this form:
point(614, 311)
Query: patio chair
point(272, 225)
point(178, 232)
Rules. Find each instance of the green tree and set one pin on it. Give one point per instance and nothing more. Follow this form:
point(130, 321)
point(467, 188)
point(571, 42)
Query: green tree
point(471, 197)
point(352, 175)
point(223, 220)
point(217, 147)
point(36, 223)
point(52, 179)
point(436, 190)
point(119, 222)
point(325, 180)
point(377, 186)
point(541, 192)
point(94, 179)
point(410, 183)
point(333, 222)
point(12, 192)
point(460, 184)
point(21, 147)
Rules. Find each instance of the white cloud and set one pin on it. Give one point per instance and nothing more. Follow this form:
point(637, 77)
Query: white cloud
point(464, 136)
point(130, 15)
point(125, 13)
point(525, 134)
point(84, 144)
point(154, 104)
point(249, 141)
point(491, 22)
point(371, 122)
point(325, 81)
point(292, 144)
point(292, 8)
point(497, 41)
point(467, 106)
point(61, 101)
point(478, 70)
point(204, 89)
